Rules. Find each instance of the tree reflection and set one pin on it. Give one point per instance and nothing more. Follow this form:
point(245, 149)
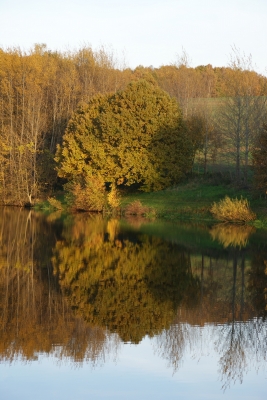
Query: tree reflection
point(34, 317)
point(130, 284)
point(242, 345)
point(77, 290)
point(237, 306)
point(257, 281)
point(172, 344)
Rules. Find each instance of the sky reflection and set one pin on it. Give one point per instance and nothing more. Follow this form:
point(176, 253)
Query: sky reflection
point(138, 372)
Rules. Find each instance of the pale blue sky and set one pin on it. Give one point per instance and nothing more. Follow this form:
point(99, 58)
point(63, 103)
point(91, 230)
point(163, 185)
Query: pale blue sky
point(147, 32)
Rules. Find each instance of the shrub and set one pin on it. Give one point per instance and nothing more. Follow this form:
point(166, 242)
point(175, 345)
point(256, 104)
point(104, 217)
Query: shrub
point(113, 197)
point(136, 208)
point(54, 203)
point(232, 210)
point(90, 195)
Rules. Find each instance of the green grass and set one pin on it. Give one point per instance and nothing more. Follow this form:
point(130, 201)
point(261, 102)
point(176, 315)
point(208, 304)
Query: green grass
point(46, 207)
point(186, 201)
point(192, 200)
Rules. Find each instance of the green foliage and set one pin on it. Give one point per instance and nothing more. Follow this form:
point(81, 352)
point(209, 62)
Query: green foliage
point(133, 136)
point(196, 128)
point(232, 210)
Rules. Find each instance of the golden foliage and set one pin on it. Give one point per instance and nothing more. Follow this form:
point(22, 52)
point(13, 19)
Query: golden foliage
point(113, 197)
point(40, 89)
point(90, 195)
point(133, 137)
point(232, 210)
point(54, 203)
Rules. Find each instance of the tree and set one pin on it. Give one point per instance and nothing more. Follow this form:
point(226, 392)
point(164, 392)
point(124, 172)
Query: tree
point(39, 90)
point(135, 136)
point(242, 113)
point(196, 130)
point(260, 160)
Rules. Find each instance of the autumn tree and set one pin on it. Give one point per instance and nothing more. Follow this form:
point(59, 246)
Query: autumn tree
point(23, 122)
point(39, 90)
point(135, 136)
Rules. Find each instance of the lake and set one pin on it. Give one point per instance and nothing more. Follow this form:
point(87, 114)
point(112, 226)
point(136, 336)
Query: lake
point(131, 309)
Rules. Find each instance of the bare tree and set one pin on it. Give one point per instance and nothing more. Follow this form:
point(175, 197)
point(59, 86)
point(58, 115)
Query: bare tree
point(241, 114)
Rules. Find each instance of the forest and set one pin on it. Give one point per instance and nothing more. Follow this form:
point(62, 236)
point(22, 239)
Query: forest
point(80, 120)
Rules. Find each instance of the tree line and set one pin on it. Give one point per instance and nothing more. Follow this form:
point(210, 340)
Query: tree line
point(219, 114)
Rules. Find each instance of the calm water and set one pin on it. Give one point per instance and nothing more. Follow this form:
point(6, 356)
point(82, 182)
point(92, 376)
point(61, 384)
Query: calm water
point(130, 310)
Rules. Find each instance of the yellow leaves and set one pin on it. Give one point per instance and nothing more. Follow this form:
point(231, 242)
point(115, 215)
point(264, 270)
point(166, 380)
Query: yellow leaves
point(232, 210)
point(113, 133)
point(113, 198)
point(22, 149)
point(5, 148)
point(54, 203)
point(88, 194)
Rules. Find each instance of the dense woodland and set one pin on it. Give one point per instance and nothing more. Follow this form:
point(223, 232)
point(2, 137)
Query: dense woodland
point(215, 121)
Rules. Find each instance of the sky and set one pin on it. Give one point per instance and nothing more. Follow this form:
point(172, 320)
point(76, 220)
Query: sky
point(141, 32)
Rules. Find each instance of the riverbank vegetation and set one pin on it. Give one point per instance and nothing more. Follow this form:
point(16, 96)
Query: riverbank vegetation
point(80, 122)
point(194, 200)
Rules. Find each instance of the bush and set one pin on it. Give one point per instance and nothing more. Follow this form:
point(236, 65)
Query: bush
point(89, 195)
point(136, 208)
point(113, 197)
point(232, 210)
point(54, 203)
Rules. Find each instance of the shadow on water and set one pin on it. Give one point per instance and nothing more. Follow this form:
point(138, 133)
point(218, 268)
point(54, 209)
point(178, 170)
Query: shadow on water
point(79, 287)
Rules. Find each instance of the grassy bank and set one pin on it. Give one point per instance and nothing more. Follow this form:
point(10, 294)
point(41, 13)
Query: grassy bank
point(193, 200)
point(187, 201)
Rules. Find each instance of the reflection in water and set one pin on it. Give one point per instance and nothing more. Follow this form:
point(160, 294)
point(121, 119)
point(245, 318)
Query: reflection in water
point(79, 289)
point(132, 285)
point(232, 235)
point(241, 345)
point(34, 317)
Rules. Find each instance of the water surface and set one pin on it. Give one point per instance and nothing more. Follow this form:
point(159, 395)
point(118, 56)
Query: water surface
point(108, 309)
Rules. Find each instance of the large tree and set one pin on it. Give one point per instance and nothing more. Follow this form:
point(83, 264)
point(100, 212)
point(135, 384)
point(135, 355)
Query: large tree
point(134, 136)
